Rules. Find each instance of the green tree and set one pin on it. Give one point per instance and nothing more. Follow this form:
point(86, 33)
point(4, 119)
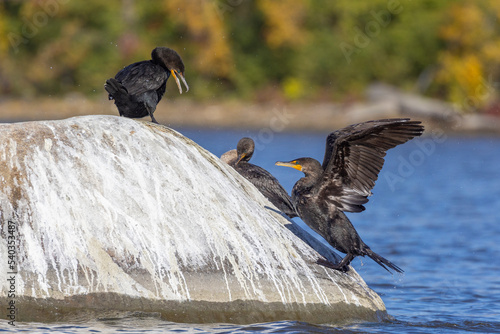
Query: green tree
point(247, 49)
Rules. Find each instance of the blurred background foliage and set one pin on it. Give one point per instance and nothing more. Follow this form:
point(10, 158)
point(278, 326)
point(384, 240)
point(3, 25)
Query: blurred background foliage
point(256, 50)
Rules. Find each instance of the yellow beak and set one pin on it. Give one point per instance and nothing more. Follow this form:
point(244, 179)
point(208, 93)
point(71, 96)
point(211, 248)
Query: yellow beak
point(241, 158)
point(176, 77)
point(292, 164)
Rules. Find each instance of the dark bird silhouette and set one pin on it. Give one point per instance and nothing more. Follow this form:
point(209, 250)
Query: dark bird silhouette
point(353, 159)
point(267, 184)
point(138, 87)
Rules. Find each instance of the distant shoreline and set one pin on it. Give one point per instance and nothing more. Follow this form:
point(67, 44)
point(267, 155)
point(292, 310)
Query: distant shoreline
point(299, 116)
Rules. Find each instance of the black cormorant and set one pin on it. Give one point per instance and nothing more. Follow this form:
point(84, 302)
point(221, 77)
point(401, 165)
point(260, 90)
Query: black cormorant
point(139, 87)
point(353, 159)
point(267, 184)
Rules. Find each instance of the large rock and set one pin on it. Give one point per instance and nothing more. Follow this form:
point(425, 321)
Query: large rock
point(116, 215)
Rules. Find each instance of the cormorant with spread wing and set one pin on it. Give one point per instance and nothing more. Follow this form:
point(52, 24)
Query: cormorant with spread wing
point(353, 159)
point(267, 184)
point(139, 87)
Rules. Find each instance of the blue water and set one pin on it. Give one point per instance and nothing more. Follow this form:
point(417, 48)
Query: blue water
point(433, 213)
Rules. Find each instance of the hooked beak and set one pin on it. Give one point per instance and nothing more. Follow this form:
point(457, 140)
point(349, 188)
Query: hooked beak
point(240, 158)
point(292, 164)
point(176, 77)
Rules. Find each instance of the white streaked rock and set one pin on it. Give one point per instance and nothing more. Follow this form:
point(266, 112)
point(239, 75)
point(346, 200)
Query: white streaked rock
point(109, 206)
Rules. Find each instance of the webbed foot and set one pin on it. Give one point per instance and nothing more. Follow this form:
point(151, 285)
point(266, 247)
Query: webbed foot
point(328, 264)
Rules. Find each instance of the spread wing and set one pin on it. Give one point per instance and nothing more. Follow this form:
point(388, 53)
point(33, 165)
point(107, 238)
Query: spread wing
point(141, 77)
point(269, 186)
point(354, 157)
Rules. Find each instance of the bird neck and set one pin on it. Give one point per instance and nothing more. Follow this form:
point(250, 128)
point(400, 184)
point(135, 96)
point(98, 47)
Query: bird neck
point(308, 181)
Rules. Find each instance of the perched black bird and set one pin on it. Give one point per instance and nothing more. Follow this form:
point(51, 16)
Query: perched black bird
point(258, 176)
point(353, 159)
point(139, 87)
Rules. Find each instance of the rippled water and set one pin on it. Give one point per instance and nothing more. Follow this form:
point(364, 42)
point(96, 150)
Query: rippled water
point(433, 213)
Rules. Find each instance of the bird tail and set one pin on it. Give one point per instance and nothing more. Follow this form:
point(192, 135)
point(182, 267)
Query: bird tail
point(115, 90)
point(383, 262)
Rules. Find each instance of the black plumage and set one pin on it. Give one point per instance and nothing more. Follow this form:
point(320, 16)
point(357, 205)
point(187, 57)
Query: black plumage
point(267, 184)
point(353, 159)
point(138, 87)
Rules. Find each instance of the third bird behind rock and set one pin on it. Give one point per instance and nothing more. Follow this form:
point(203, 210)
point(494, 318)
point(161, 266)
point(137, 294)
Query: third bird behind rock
point(267, 184)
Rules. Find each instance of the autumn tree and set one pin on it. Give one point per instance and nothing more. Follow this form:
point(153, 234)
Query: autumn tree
point(470, 62)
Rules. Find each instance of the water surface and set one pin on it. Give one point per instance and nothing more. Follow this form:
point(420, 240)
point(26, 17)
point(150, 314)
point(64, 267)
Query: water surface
point(433, 213)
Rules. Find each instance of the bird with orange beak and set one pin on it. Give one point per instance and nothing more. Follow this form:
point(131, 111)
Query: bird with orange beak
point(353, 159)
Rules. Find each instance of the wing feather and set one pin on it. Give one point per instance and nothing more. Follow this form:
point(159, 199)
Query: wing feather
point(142, 77)
point(268, 185)
point(354, 157)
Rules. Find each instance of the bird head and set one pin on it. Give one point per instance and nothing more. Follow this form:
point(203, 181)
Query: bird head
point(245, 149)
point(171, 60)
point(305, 165)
